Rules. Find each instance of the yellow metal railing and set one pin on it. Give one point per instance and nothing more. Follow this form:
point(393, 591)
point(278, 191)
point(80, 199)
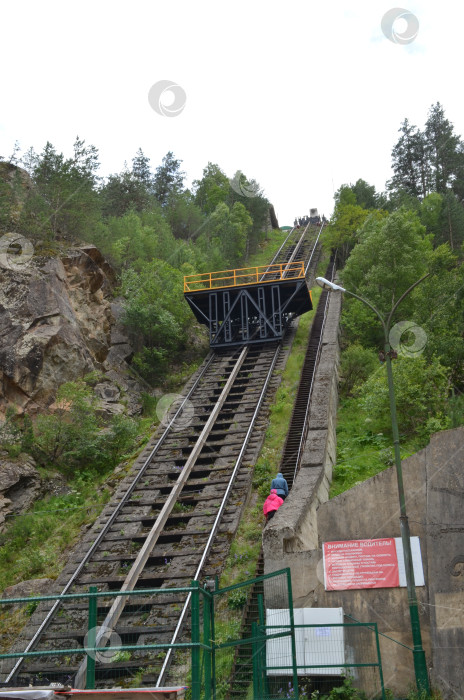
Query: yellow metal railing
point(243, 276)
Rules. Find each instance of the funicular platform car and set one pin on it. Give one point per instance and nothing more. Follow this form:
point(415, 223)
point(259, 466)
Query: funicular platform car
point(248, 305)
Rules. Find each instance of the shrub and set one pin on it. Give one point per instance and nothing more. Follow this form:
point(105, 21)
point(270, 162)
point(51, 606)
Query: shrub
point(237, 599)
point(421, 392)
point(357, 363)
point(73, 437)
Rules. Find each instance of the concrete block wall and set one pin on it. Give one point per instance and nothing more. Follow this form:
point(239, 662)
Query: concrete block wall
point(292, 533)
point(434, 489)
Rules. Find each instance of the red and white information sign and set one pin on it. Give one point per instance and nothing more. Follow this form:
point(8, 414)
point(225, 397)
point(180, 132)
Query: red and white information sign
point(360, 564)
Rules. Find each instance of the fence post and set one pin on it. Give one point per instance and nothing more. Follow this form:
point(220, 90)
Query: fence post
point(379, 659)
point(196, 681)
point(262, 623)
point(207, 642)
point(292, 629)
point(91, 639)
point(255, 662)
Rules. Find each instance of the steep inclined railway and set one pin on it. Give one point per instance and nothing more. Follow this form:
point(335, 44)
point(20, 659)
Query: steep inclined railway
point(171, 522)
point(290, 462)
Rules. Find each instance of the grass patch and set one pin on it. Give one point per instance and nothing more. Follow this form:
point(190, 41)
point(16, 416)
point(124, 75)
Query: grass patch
point(244, 551)
point(281, 412)
point(267, 248)
point(33, 543)
point(362, 449)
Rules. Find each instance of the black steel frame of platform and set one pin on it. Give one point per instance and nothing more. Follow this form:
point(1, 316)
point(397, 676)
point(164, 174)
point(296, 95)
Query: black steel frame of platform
point(254, 313)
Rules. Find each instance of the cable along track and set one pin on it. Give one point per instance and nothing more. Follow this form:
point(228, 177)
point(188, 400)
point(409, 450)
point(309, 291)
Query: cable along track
point(173, 520)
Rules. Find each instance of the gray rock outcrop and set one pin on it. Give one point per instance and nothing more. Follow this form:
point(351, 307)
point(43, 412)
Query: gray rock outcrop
point(56, 325)
point(20, 485)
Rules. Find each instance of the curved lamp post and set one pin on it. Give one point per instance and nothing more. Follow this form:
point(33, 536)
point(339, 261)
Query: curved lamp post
point(420, 666)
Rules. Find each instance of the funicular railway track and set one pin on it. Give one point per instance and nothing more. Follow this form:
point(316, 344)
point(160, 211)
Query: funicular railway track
point(289, 465)
point(170, 521)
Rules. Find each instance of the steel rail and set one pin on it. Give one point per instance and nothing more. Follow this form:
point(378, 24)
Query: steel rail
point(221, 509)
point(45, 623)
point(314, 249)
point(293, 255)
point(43, 626)
point(295, 252)
point(278, 253)
point(133, 575)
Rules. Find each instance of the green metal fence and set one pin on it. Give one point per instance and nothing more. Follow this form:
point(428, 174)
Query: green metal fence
point(105, 653)
point(327, 656)
point(238, 643)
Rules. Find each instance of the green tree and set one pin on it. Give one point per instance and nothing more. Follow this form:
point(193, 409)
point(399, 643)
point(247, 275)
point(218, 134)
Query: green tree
point(212, 189)
point(357, 363)
point(410, 163)
point(141, 169)
point(183, 215)
point(155, 314)
point(421, 391)
point(431, 214)
point(344, 195)
point(249, 193)
point(391, 255)
point(442, 148)
point(227, 231)
point(169, 179)
point(66, 189)
point(452, 221)
point(365, 194)
point(342, 234)
point(130, 189)
point(439, 310)
point(73, 436)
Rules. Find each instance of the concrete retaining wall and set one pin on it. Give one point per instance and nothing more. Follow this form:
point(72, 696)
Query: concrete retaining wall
point(292, 533)
point(434, 487)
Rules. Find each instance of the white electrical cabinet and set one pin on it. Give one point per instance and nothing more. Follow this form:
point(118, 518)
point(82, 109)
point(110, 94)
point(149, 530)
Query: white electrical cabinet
point(320, 644)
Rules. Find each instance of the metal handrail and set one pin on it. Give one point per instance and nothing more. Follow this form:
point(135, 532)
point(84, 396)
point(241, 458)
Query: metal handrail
point(249, 275)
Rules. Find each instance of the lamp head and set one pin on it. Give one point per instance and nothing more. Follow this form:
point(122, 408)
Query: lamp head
point(329, 286)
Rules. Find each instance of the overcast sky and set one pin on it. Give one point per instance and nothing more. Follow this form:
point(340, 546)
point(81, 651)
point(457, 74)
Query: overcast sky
point(301, 96)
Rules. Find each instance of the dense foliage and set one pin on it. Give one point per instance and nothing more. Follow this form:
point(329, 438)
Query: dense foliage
point(387, 242)
point(73, 438)
point(151, 227)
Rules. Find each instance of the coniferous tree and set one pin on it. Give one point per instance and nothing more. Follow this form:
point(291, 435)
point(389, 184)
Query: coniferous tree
point(169, 179)
point(442, 149)
point(410, 165)
point(428, 161)
point(141, 169)
point(452, 221)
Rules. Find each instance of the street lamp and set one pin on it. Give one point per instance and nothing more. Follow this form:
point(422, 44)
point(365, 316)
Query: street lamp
point(420, 666)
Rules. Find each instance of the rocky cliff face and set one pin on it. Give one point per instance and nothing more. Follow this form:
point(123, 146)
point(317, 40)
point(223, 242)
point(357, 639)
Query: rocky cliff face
point(56, 325)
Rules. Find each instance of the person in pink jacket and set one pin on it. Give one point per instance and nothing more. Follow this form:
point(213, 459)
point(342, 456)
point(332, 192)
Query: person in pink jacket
point(271, 504)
